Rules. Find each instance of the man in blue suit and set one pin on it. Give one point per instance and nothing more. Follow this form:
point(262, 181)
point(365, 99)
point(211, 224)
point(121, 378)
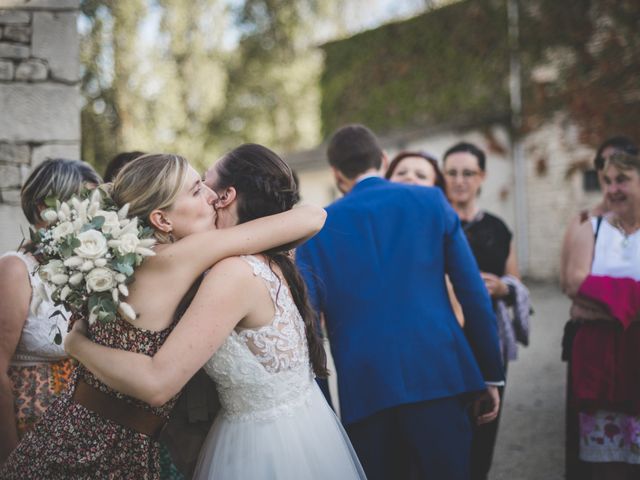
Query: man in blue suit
point(407, 372)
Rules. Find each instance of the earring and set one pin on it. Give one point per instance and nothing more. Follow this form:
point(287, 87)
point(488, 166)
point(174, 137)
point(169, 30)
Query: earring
point(172, 238)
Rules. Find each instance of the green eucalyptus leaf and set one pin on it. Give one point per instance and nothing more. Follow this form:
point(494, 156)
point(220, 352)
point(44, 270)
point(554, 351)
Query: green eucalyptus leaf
point(97, 222)
point(124, 268)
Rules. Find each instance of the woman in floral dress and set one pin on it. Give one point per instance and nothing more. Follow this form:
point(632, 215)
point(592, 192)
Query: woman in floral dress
point(92, 431)
point(34, 368)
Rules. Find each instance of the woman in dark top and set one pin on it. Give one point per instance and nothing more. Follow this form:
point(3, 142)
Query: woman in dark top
point(492, 246)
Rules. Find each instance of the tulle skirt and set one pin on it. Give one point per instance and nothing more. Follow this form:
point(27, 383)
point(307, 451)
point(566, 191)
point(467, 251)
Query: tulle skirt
point(306, 442)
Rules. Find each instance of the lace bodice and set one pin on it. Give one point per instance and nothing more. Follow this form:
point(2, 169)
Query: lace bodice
point(36, 342)
point(263, 372)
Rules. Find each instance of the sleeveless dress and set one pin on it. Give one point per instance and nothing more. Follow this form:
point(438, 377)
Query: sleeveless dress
point(275, 423)
point(39, 369)
point(73, 442)
point(610, 436)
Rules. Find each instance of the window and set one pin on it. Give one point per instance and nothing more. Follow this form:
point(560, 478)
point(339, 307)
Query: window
point(590, 181)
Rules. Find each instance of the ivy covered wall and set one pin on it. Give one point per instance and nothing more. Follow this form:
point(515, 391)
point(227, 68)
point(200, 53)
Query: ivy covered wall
point(450, 65)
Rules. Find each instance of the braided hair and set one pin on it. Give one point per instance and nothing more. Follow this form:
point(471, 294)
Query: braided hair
point(265, 185)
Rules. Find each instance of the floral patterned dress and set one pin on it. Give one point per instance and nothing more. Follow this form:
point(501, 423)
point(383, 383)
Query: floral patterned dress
point(39, 369)
point(72, 442)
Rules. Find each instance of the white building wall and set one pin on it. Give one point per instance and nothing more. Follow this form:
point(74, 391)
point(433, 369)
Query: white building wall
point(555, 162)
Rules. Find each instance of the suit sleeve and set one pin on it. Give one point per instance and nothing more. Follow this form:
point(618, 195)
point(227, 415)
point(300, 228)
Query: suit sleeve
point(303, 262)
point(310, 277)
point(480, 322)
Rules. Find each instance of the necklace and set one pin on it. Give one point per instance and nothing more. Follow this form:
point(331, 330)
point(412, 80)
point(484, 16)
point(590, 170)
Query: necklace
point(618, 225)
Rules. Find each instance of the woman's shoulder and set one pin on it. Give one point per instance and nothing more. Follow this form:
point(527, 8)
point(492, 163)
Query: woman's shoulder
point(15, 264)
point(234, 267)
point(495, 223)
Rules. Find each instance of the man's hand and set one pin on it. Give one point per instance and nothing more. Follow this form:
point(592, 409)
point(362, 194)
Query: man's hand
point(496, 287)
point(487, 405)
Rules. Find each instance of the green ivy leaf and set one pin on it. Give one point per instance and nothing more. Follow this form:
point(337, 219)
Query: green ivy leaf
point(51, 202)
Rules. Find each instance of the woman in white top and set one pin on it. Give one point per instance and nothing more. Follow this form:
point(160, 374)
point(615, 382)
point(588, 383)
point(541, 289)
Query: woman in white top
point(604, 358)
point(34, 367)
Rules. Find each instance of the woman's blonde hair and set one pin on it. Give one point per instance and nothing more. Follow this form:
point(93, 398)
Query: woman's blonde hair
point(55, 177)
point(623, 161)
point(148, 183)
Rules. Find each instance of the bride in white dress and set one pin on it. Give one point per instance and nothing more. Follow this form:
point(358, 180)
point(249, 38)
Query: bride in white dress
point(251, 327)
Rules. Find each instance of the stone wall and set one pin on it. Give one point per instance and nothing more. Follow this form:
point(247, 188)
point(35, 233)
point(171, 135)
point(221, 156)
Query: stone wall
point(556, 161)
point(39, 97)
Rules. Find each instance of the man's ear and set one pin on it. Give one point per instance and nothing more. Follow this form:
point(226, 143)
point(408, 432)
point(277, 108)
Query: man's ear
point(226, 198)
point(160, 221)
point(342, 182)
point(384, 164)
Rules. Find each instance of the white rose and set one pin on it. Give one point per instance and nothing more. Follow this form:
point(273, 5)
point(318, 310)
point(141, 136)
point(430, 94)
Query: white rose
point(51, 268)
point(128, 243)
point(62, 230)
point(100, 280)
point(92, 244)
point(111, 221)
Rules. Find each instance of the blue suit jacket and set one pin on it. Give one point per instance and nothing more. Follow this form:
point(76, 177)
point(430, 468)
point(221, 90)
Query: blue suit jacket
point(377, 272)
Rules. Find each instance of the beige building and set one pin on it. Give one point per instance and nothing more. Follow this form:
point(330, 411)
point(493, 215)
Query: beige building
point(556, 166)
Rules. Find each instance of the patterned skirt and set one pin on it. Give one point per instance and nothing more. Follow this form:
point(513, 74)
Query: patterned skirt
point(72, 442)
point(609, 437)
point(34, 389)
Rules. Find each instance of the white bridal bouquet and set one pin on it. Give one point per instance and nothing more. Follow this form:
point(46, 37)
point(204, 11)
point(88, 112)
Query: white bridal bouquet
point(88, 252)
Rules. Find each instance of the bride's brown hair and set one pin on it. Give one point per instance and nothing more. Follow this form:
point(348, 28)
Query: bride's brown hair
point(265, 185)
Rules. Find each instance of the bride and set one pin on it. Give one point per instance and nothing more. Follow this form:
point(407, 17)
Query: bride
point(252, 328)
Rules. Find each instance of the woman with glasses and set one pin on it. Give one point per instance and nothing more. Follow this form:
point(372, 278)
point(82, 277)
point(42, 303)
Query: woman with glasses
point(491, 242)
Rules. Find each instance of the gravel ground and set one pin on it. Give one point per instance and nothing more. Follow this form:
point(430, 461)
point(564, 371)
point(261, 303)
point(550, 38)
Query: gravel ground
point(531, 438)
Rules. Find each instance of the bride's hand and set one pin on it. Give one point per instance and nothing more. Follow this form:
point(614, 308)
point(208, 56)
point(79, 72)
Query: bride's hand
point(77, 332)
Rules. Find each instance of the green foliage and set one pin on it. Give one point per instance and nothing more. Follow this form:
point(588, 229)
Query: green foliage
point(190, 92)
point(446, 66)
point(451, 66)
point(595, 47)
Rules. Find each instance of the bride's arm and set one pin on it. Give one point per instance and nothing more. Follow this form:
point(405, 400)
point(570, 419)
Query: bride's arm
point(221, 302)
point(196, 253)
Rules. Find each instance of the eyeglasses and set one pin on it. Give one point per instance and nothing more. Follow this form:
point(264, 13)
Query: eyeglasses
point(465, 174)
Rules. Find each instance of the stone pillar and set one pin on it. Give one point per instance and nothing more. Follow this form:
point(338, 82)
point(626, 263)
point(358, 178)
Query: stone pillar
point(39, 98)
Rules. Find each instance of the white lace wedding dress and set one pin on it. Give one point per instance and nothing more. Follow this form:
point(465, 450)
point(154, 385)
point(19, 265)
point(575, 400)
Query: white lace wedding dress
point(275, 423)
